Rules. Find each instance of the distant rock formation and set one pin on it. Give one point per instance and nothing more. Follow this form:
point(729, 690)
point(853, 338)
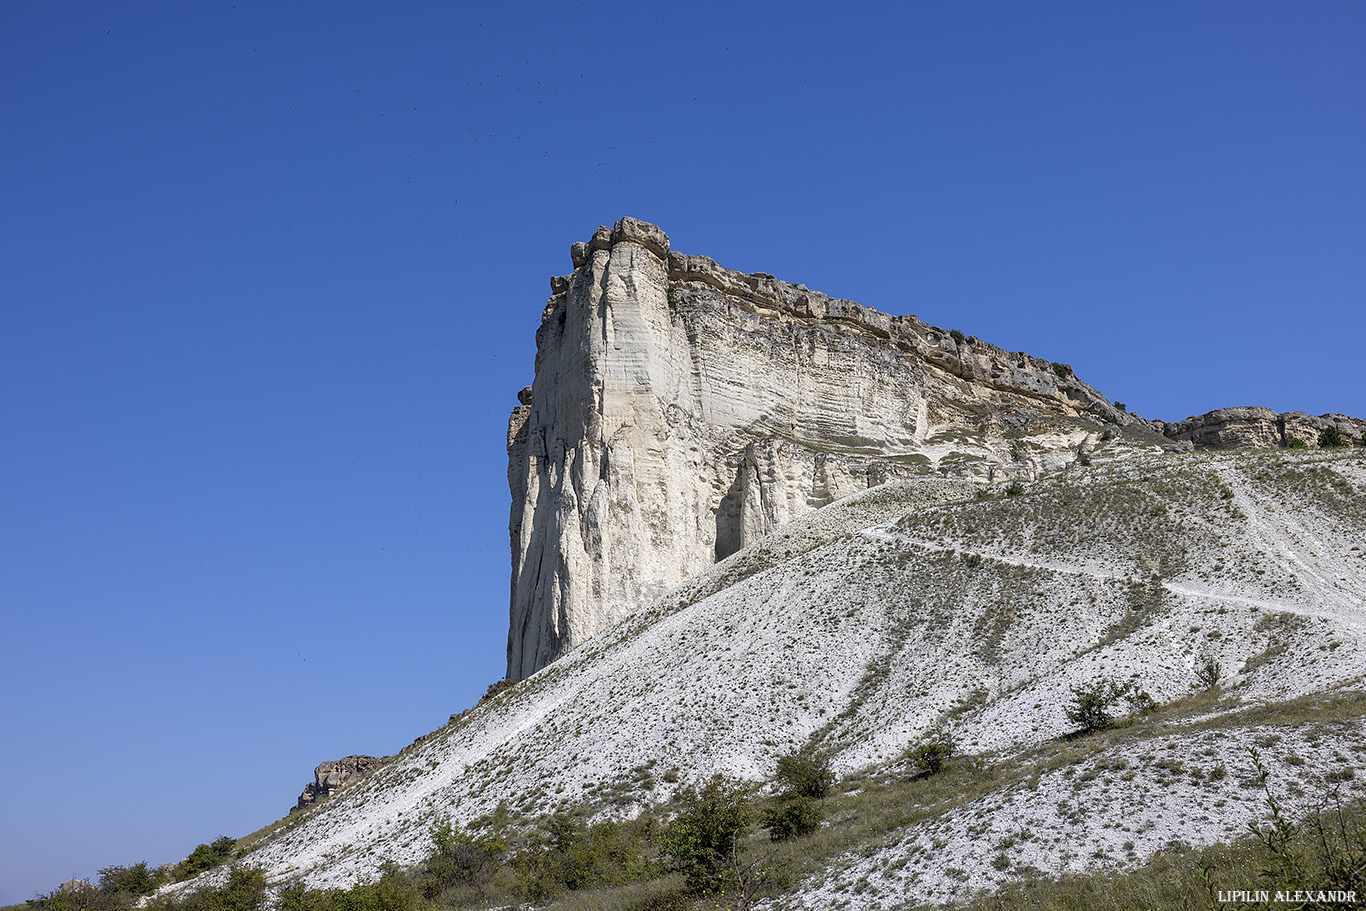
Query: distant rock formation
point(329, 776)
point(681, 410)
point(1261, 428)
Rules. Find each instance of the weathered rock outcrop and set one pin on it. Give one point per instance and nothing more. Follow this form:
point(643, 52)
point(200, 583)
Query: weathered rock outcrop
point(680, 410)
point(329, 776)
point(1261, 428)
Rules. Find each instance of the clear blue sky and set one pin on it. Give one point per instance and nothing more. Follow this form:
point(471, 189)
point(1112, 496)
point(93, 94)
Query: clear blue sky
point(270, 275)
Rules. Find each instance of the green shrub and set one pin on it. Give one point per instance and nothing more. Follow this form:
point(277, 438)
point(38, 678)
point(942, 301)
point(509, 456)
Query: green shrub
point(701, 838)
point(1296, 443)
point(130, 881)
point(929, 756)
point(1014, 489)
point(1331, 438)
point(957, 336)
point(1062, 370)
point(572, 856)
point(393, 891)
point(460, 858)
point(206, 857)
point(1122, 407)
point(1209, 673)
point(792, 817)
point(245, 890)
point(1091, 704)
point(805, 776)
point(497, 687)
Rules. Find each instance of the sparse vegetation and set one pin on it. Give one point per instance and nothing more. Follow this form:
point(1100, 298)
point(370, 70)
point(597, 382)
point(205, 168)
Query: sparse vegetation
point(392, 891)
point(1062, 370)
point(957, 336)
point(497, 687)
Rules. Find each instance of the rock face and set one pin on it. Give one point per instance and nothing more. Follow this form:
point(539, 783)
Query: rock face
point(681, 410)
point(329, 776)
point(1261, 428)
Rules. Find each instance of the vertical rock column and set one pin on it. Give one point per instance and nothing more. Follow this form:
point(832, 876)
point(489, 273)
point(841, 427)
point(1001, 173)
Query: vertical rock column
point(596, 531)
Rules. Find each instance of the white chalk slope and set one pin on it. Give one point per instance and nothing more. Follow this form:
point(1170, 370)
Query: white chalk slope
point(916, 604)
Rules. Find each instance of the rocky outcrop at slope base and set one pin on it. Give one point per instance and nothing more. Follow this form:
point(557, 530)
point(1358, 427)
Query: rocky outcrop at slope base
point(681, 410)
point(329, 776)
point(1261, 428)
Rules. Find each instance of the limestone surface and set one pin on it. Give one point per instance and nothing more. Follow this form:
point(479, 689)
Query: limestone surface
point(681, 410)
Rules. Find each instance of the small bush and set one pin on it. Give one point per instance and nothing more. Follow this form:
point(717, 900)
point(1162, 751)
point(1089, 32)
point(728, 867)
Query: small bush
point(130, 881)
point(393, 891)
point(1208, 673)
point(702, 837)
point(1062, 370)
point(1140, 702)
point(1331, 438)
point(572, 856)
point(1014, 489)
point(805, 776)
point(206, 857)
point(957, 336)
point(929, 756)
point(1296, 443)
point(1122, 407)
point(460, 858)
point(497, 687)
point(245, 890)
point(792, 817)
point(1092, 704)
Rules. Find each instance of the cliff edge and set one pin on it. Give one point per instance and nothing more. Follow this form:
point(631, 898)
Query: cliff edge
point(680, 410)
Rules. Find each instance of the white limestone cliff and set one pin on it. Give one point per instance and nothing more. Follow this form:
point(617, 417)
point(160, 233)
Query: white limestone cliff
point(681, 410)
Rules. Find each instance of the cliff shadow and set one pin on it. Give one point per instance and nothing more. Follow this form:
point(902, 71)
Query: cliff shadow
point(728, 517)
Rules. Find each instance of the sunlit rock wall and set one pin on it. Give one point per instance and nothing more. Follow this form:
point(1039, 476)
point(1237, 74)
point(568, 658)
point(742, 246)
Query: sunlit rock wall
point(680, 410)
